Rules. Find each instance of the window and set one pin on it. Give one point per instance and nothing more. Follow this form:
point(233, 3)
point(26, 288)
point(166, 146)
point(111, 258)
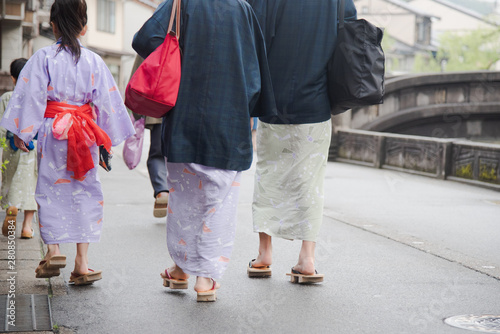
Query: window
point(421, 32)
point(106, 16)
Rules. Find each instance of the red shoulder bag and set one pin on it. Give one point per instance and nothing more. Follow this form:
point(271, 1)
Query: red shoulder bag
point(153, 89)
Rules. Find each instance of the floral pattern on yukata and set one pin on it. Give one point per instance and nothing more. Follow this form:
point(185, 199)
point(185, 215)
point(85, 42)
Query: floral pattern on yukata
point(20, 174)
point(201, 220)
point(288, 193)
point(70, 210)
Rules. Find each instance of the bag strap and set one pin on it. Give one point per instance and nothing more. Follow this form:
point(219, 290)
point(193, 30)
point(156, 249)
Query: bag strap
point(176, 12)
point(341, 14)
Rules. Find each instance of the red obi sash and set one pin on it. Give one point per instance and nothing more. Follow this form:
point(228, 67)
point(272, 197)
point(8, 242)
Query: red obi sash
point(77, 125)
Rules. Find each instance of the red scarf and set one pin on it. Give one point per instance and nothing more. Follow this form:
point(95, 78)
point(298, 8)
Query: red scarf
point(77, 125)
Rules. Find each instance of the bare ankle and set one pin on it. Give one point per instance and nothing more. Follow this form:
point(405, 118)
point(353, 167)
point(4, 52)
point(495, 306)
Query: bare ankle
point(53, 250)
point(204, 284)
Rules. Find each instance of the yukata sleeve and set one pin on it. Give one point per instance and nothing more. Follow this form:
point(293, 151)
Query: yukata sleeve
point(26, 109)
point(350, 12)
point(112, 116)
point(262, 104)
point(267, 12)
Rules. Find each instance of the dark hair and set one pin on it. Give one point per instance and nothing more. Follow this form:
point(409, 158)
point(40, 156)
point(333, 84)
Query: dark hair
point(70, 17)
point(16, 66)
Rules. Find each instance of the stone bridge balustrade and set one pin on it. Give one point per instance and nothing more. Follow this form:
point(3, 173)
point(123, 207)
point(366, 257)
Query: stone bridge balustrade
point(421, 125)
point(445, 105)
point(474, 163)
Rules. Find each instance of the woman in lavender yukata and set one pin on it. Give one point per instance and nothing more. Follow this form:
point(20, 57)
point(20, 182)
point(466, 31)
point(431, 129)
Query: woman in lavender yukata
point(53, 97)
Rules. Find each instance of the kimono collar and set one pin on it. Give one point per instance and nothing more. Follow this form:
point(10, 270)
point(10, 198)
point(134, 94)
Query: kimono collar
point(59, 41)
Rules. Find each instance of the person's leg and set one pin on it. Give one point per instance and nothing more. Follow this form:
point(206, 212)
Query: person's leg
point(175, 272)
point(156, 162)
point(81, 274)
point(264, 258)
point(265, 251)
point(158, 172)
point(52, 249)
point(201, 223)
point(305, 265)
point(204, 284)
point(28, 220)
point(81, 259)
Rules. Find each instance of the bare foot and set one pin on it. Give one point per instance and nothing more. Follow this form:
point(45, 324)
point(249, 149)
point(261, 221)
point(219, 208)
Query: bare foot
point(265, 257)
point(205, 284)
point(27, 230)
point(263, 260)
point(51, 251)
point(305, 266)
point(81, 267)
point(175, 272)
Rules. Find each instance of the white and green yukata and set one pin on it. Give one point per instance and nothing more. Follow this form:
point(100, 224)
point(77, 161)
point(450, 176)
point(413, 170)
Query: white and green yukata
point(288, 194)
point(21, 172)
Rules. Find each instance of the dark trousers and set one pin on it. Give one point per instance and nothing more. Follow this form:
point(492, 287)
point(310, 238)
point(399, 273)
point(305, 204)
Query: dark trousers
point(156, 162)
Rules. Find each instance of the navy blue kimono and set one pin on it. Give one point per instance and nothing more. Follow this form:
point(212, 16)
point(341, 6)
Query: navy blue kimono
point(300, 38)
point(225, 80)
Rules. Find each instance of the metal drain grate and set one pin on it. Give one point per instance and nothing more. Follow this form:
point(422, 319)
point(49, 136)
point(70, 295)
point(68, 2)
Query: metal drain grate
point(478, 323)
point(31, 313)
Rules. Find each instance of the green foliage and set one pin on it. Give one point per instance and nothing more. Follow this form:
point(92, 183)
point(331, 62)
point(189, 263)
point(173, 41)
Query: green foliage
point(3, 166)
point(3, 145)
point(388, 42)
point(426, 63)
point(473, 51)
point(388, 46)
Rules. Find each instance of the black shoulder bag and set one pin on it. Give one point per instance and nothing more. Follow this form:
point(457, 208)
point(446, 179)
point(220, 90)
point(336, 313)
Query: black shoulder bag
point(356, 69)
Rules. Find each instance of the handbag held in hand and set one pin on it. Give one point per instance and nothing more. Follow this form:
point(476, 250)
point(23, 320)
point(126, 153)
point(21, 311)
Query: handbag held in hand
point(132, 148)
point(153, 89)
point(356, 69)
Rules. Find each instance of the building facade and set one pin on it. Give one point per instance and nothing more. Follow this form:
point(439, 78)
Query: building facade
point(406, 27)
point(25, 28)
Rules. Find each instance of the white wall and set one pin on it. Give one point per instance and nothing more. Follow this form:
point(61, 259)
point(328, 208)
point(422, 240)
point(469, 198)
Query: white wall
point(41, 42)
point(12, 43)
point(100, 39)
point(135, 14)
point(397, 22)
point(450, 19)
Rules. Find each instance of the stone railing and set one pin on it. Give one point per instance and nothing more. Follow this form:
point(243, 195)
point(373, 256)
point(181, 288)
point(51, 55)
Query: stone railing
point(469, 162)
point(444, 105)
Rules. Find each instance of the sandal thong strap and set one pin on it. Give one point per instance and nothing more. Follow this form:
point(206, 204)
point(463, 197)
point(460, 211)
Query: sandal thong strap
point(168, 275)
point(263, 267)
point(74, 275)
point(299, 273)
